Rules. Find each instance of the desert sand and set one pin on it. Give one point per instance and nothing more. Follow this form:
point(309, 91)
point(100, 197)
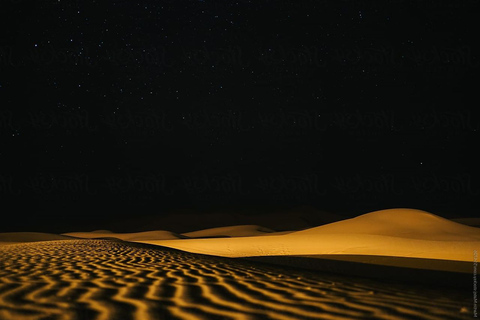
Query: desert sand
point(205, 275)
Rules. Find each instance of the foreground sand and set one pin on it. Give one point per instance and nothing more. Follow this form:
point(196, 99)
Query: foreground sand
point(104, 279)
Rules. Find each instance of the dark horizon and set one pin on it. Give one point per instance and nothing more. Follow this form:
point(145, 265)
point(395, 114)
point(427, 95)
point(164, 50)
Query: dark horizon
point(114, 110)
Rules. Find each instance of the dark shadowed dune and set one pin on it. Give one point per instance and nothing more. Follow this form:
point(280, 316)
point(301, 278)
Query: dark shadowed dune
point(31, 237)
point(472, 222)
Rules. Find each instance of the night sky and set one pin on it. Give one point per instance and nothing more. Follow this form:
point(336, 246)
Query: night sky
point(110, 109)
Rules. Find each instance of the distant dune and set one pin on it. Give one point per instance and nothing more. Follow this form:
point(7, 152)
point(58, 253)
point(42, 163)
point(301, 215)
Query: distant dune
point(221, 232)
point(405, 233)
point(101, 231)
point(473, 222)
point(134, 236)
point(233, 231)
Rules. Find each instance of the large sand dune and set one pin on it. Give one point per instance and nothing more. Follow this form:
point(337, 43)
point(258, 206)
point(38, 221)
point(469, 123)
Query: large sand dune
point(403, 223)
point(406, 233)
point(104, 279)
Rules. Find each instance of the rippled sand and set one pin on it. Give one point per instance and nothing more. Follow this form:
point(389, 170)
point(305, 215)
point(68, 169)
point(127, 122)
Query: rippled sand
point(103, 279)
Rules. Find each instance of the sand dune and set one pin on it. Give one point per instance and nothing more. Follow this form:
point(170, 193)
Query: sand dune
point(473, 222)
point(232, 231)
point(103, 279)
point(101, 231)
point(404, 223)
point(394, 232)
point(14, 237)
point(133, 236)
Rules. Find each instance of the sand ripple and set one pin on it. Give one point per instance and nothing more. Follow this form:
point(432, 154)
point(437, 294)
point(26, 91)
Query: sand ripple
point(102, 279)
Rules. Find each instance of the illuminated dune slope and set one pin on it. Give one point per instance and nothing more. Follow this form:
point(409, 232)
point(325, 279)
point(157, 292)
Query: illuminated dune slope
point(393, 232)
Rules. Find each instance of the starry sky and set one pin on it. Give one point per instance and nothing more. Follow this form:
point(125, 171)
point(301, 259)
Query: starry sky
point(114, 108)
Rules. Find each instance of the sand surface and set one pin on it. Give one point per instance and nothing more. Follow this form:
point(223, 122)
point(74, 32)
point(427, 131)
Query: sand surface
point(104, 279)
